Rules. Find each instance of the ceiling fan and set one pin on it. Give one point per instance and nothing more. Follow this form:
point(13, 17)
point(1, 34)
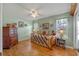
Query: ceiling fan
point(34, 12)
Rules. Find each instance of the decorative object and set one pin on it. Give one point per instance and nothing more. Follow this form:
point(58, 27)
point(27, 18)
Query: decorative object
point(21, 24)
point(45, 26)
point(61, 33)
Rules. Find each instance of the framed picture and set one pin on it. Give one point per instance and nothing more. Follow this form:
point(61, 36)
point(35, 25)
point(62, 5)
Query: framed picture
point(21, 24)
point(45, 26)
point(25, 24)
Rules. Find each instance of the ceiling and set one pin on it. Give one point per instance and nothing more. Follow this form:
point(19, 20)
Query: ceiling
point(20, 10)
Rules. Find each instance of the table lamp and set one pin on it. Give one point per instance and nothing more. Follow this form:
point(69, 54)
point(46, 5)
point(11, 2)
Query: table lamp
point(61, 33)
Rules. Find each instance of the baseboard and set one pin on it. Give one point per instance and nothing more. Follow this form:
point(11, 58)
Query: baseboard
point(23, 39)
point(69, 47)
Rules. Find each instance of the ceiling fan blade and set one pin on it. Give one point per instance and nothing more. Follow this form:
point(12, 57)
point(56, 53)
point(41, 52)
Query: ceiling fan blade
point(39, 14)
point(23, 7)
point(38, 8)
point(28, 15)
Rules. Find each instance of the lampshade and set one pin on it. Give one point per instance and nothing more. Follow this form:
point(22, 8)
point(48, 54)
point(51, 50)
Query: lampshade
point(61, 31)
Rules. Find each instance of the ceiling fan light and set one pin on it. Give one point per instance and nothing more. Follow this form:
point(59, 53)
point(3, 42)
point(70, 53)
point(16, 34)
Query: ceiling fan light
point(33, 15)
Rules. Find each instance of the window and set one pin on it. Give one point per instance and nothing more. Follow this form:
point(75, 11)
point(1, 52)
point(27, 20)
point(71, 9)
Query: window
point(61, 23)
point(36, 26)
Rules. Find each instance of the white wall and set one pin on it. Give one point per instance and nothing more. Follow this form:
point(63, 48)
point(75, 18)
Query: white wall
point(24, 33)
point(0, 31)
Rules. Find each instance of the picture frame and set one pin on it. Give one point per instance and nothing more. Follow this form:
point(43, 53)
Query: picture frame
point(20, 24)
point(45, 26)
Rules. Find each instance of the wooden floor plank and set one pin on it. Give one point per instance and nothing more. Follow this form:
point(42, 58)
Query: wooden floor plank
point(28, 48)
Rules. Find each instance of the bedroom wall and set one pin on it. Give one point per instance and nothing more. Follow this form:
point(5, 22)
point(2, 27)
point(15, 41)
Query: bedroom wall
point(75, 20)
point(52, 20)
point(12, 13)
point(77, 34)
point(23, 32)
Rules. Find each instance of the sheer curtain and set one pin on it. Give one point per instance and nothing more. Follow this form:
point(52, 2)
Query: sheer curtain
point(62, 24)
point(77, 32)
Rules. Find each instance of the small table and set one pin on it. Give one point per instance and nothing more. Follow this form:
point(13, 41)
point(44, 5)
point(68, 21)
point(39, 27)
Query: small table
point(60, 43)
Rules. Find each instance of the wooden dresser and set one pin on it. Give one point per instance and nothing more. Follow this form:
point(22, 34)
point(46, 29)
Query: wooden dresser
point(10, 37)
point(0, 53)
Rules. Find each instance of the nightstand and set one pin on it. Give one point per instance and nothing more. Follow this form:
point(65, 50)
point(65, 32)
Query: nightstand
point(60, 43)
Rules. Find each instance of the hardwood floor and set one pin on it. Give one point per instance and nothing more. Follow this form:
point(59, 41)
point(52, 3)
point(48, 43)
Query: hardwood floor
point(28, 48)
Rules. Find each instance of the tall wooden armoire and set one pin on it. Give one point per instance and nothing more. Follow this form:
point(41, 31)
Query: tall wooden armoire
point(10, 35)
